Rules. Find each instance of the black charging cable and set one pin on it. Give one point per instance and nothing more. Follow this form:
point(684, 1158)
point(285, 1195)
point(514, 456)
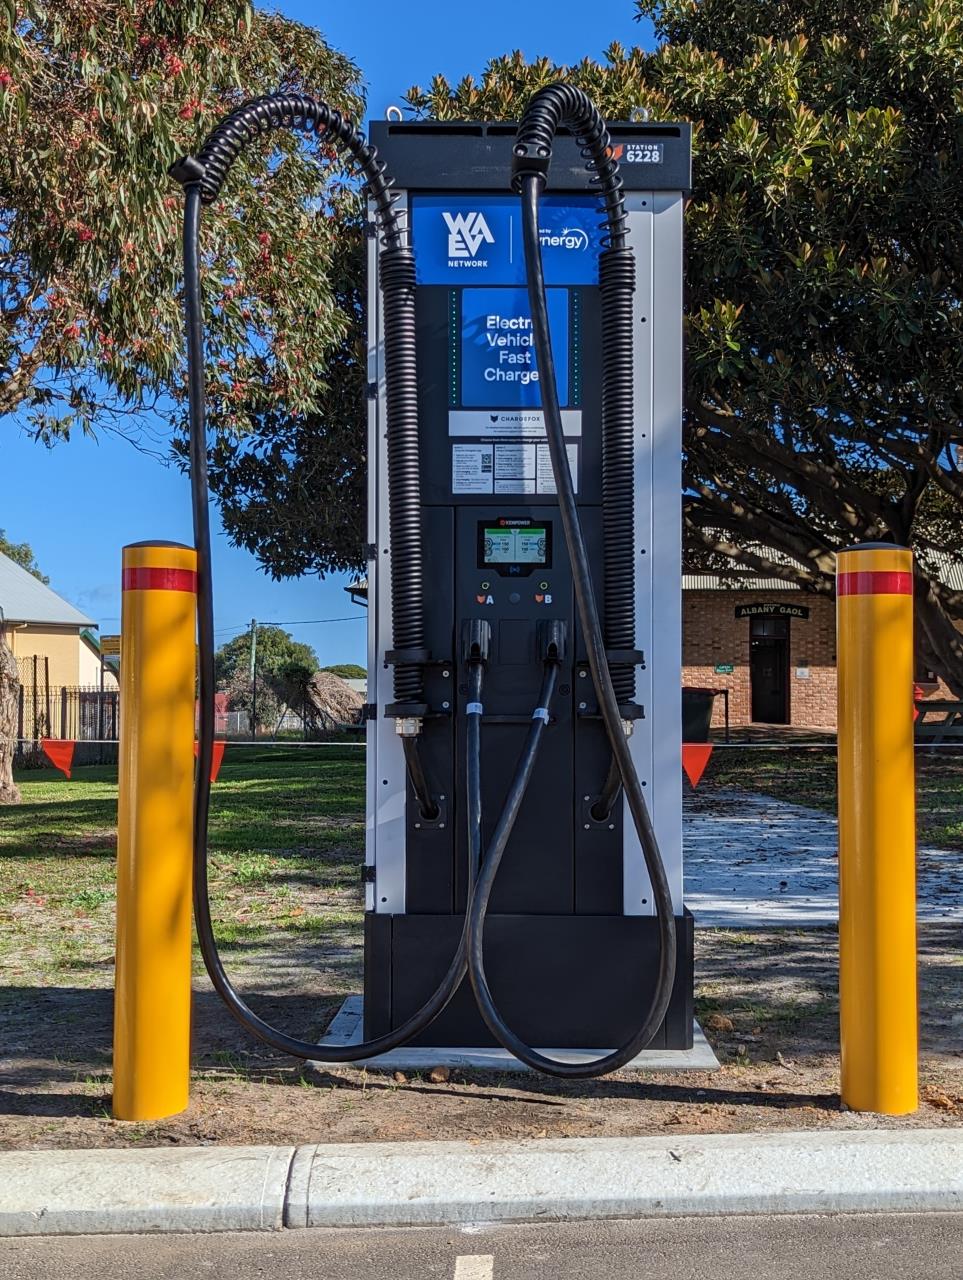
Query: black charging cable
point(549, 109)
point(202, 178)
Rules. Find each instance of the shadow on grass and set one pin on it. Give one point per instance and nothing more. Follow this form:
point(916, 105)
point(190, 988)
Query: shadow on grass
point(285, 803)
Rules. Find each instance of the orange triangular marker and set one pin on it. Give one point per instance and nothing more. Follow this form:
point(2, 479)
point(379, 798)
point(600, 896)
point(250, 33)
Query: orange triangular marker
point(216, 758)
point(695, 757)
point(60, 753)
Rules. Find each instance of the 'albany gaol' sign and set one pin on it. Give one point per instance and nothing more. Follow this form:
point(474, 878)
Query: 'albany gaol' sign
point(772, 611)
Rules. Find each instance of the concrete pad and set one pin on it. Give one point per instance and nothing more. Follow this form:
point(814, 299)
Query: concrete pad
point(422, 1183)
point(346, 1029)
point(156, 1189)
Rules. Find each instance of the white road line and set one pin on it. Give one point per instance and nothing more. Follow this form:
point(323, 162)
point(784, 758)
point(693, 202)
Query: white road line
point(475, 1266)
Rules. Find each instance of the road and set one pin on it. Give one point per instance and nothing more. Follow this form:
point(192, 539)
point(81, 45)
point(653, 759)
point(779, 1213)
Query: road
point(870, 1247)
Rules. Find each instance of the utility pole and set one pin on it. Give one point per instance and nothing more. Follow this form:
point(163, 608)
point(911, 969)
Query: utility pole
point(253, 673)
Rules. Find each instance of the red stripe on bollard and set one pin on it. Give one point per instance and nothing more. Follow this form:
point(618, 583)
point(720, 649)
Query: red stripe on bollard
point(154, 579)
point(874, 582)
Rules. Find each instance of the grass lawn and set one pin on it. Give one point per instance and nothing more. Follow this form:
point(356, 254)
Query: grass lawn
point(807, 775)
point(287, 838)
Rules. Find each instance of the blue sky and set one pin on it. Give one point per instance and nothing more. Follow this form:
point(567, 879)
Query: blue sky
point(78, 504)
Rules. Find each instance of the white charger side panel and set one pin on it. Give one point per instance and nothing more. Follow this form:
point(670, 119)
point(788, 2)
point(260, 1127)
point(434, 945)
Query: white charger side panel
point(386, 779)
point(655, 235)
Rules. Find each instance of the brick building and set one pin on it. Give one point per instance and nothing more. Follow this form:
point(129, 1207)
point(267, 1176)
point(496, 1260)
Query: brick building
point(772, 646)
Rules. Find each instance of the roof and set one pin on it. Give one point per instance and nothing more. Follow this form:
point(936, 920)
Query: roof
point(24, 598)
point(949, 568)
point(738, 580)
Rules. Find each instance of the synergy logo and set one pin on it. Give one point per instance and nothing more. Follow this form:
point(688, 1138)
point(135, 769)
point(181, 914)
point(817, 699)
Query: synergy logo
point(467, 232)
point(567, 238)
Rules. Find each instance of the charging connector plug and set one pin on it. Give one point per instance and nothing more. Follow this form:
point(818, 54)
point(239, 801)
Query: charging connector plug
point(476, 640)
point(552, 639)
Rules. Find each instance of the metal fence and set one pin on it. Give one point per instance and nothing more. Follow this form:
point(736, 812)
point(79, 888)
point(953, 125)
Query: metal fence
point(90, 716)
point(303, 724)
point(83, 713)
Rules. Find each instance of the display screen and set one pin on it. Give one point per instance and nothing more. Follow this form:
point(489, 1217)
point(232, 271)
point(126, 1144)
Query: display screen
point(514, 546)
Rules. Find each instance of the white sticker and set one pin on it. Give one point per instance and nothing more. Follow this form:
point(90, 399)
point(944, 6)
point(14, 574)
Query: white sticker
point(545, 477)
point(509, 422)
point(514, 462)
point(515, 486)
point(471, 468)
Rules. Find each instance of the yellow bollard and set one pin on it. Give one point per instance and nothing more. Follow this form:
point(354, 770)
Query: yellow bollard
point(152, 1001)
point(877, 830)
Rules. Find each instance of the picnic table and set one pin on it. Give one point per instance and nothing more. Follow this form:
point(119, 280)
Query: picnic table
point(950, 726)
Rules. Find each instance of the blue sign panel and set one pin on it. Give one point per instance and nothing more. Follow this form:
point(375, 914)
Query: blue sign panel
point(478, 239)
point(498, 367)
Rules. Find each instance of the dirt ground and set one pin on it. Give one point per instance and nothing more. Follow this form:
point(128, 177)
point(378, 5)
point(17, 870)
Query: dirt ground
point(767, 1000)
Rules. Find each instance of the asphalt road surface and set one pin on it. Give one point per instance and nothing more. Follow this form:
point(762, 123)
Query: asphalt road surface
point(870, 1247)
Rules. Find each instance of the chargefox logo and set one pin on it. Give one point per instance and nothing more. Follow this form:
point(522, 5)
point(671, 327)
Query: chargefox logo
point(467, 232)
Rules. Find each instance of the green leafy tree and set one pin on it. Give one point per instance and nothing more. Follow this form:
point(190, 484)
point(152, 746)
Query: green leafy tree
point(347, 671)
point(96, 100)
point(275, 651)
point(21, 553)
point(824, 273)
point(291, 485)
point(283, 667)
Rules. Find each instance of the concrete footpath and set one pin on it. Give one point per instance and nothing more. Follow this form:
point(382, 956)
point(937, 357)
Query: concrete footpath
point(205, 1189)
point(754, 862)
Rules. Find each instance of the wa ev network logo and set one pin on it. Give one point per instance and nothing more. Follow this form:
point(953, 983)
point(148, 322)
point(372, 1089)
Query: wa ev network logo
point(467, 232)
point(473, 238)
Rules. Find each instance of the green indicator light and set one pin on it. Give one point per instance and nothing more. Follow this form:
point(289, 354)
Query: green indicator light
point(576, 348)
point(453, 346)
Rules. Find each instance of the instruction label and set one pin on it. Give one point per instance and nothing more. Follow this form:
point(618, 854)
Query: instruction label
point(471, 468)
point(544, 476)
point(515, 468)
point(507, 468)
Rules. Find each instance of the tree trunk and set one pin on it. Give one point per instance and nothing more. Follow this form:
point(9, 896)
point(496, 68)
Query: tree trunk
point(939, 640)
point(9, 691)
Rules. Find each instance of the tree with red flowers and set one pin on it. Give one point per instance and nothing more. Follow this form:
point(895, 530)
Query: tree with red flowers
point(97, 97)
